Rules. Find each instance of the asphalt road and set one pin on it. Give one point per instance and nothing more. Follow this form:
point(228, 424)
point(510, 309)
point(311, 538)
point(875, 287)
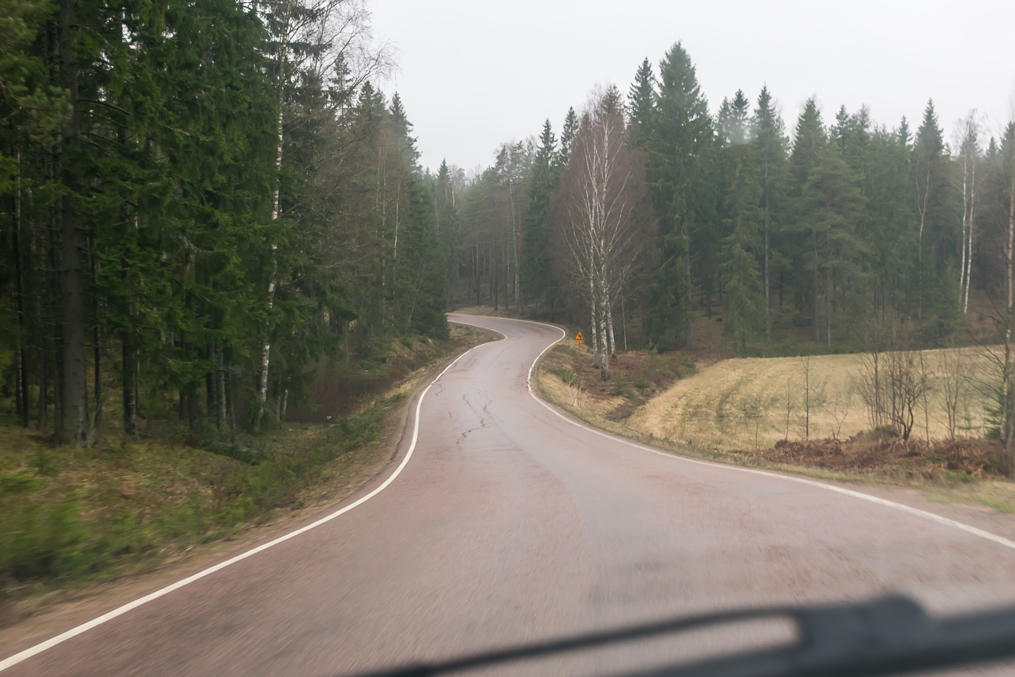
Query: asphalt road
point(510, 524)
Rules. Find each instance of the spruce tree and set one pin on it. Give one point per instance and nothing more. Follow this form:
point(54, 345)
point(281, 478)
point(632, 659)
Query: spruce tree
point(888, 233)
point(832, 200)
point(809, 138)
point(536, 281)
point(769, 141)
point(677, 176)
point(641, 105)
point(741, 275)
point(800, 244)
point(935, 295)
point(448, 226)
point(567, 134)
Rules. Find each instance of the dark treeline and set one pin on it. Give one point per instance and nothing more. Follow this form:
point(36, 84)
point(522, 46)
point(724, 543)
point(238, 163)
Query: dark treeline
point(199, 202)
point(836, 233)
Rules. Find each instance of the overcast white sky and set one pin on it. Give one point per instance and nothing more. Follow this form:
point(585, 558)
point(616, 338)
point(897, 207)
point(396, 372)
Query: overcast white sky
point(473, 73)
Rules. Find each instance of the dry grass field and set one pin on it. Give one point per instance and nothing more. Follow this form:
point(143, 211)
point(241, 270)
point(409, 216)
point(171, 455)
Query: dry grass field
point(755, 402)
point(752, 412)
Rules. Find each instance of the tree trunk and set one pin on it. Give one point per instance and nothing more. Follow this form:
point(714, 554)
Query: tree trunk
point(969, 248)
point(96, 347)
point(21, 376)
point(921, 206)
point(828, 313)
point(72, 423)
point(262, 388)
point(262, 384)
point(604, 364)
point(623, 320)
point(688, 285)
point(807, 398)
point(53, 327)
point(43, 310)
point(1008, 400)
point(609, 327)
point(128, 369)
point(129, 382)
point(221, 411)
point(814, 295)
point(44, 375)
point(518, 284)
point(593, 322)
point(394, 246)
point(493, 283)
point(231, 412)
point(965, 225)
point(764, 264)
point(475, 271)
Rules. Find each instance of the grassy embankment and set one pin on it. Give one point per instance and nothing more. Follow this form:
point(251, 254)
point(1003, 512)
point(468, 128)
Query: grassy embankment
point(753, 412)
point(69, 516)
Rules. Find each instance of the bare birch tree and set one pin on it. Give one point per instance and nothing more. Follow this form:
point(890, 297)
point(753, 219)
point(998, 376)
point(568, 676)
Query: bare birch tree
point(604, 193)
point(969, 156)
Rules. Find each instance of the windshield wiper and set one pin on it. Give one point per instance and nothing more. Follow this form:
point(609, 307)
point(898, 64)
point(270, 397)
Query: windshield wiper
point(885, 636)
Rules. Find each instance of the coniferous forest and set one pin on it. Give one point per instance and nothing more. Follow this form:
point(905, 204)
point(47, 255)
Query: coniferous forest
point(653, 207)
point(200, 202)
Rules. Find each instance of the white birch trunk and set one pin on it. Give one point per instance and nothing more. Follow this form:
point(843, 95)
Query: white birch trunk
point(609, 327)
point(921, 206)
point(398, 197)
point(605, 354)
point(965, 223)
point(969, 249)
point(262, 387)
point(381, 205)
point(592, 322)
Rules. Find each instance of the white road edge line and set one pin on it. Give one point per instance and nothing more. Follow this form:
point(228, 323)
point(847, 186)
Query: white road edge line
point(130, 606)
point(975, 531)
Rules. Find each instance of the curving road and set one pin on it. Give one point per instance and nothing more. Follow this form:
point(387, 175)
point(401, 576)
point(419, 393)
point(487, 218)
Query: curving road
point(509, 524)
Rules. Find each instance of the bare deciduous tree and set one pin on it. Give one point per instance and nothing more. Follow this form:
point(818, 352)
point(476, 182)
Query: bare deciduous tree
point(871, 387)
point(805, 366)
point(969, 155)
point(604, 194)
point(789, 407)
point(840, 412)
point(893, 386)
point(953, 380)
point(907, 386)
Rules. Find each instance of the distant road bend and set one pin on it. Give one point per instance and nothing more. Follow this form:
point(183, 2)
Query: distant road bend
point(510, 524)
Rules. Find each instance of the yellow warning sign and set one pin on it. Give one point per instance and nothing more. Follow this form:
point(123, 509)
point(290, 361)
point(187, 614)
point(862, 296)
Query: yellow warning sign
point(579, 338)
